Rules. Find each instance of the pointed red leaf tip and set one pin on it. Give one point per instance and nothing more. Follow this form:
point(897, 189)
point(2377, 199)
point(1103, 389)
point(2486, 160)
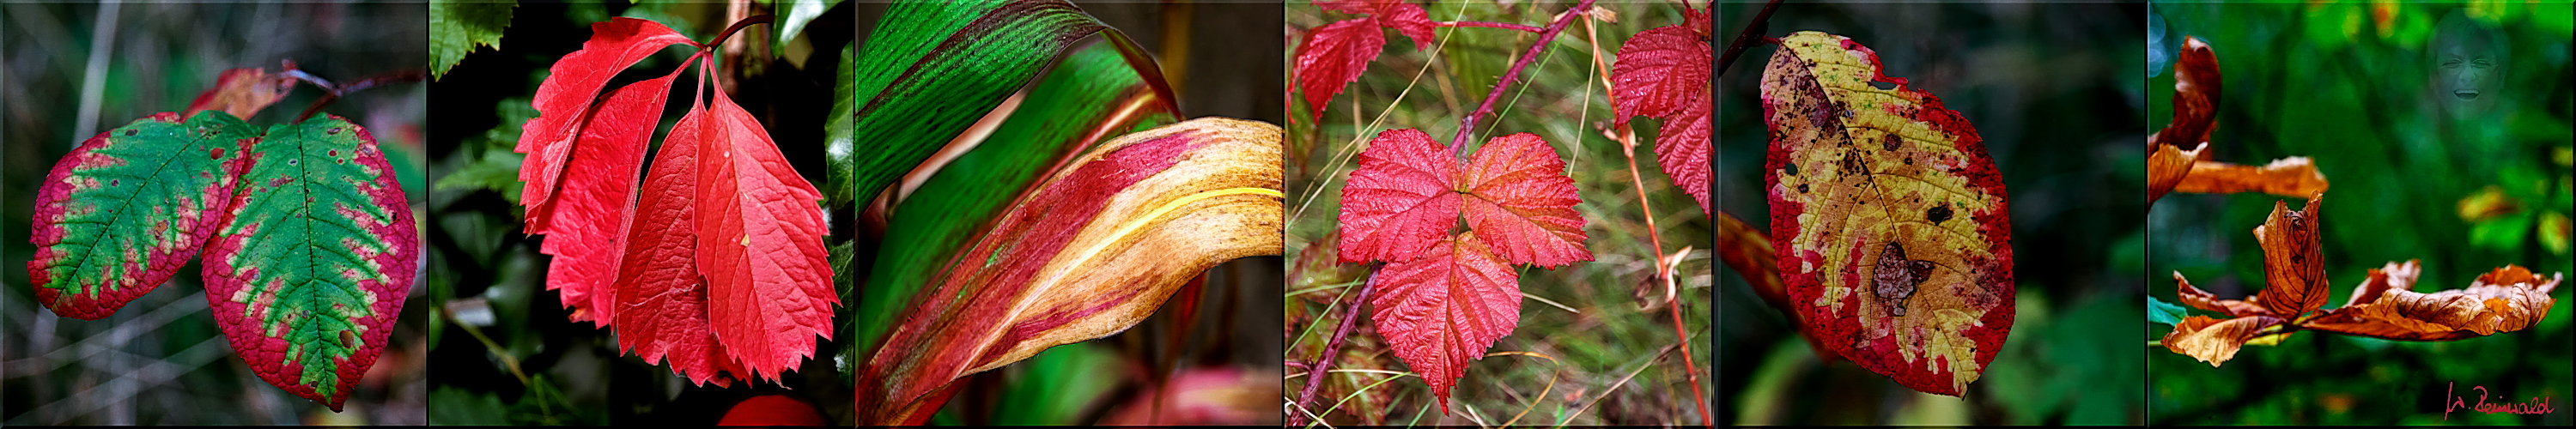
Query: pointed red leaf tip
point(1441, 311)
point(565, 98)
point(1894, 233)
point(760, 245)
point(1335, 54)
point(1444, 298)
point(587, 231)
point(1664, 73)
point(663, 298)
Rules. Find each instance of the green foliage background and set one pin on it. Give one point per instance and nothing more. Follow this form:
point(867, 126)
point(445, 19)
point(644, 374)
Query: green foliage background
point(2344, 84)
point(1616, 358)
point(162, 359)
point(2053, 90)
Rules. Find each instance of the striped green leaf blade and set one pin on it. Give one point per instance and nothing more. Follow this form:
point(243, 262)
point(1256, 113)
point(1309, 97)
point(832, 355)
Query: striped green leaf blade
point(310, 273)
point(126, 209)
point(1093, 95)
point(930, 69)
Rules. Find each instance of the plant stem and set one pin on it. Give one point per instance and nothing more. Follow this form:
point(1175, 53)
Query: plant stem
point(1467, 126)
point(1761, 22)
point(1482, 24)
point(1654, 235)
point(1324, 363)
point(737, 26)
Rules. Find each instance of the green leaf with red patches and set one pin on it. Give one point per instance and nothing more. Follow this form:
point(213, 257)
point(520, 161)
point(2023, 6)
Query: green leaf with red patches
point(121, 213)
point(1893, 233)
point(310, 271)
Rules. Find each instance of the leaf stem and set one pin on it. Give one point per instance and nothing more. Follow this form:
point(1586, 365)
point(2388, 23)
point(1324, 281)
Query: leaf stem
point(1482, 24)
point(333, 92)
point(1324, 362)
point(1467, 126)
point(1761, 22)
point(737, 27)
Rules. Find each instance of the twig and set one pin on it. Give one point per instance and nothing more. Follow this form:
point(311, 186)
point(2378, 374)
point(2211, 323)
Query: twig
point(1663, 272)
point(1501, 25)
point(1467, 125)
point(1324, 363)
point(1761, 22)
point(737, 26)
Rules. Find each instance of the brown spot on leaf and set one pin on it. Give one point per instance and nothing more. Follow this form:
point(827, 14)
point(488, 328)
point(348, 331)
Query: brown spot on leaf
point(1890, 142)
point(1898, 277)
point(1938, 213)
point(1853, 165)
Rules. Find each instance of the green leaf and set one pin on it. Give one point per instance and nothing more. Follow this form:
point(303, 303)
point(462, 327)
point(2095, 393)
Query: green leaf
point(799, 13)
point(310, 272)
point(930, 68)
point(1073, 108)
point(838, 149)
point(2163, 312)
point(456, 27)
point(125, 210)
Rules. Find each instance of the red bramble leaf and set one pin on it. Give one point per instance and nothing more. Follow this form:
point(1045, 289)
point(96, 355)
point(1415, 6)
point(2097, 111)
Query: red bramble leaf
point(1334, 55)
point(1664, 73)
point(1894, 236)
point(1445, 297)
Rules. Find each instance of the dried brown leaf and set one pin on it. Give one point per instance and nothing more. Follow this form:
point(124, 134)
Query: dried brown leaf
point(2166, 167)
point(2201, 299)
point(2288, 177)
point(2505, 300)
point(2294, 272)
point(2215, 340)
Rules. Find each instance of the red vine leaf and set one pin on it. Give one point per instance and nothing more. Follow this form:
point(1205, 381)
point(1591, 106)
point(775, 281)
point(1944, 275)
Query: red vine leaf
point(664, 297)
point(1892, 227)
point(1441, 311)
point(566, 97)
point(2507, 299)
point(1664, 73)
point(759, 245)
point(597, 197)
point(1333, 55)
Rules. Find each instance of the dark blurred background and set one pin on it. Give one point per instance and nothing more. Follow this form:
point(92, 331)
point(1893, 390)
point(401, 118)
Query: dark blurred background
point(504, 347)
point(74, 70)
point(2417, 172)
point(1220, 366)
point(2053, 90)
point(1596, 343)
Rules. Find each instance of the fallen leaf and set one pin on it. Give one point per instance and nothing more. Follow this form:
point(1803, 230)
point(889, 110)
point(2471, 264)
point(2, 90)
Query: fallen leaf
point(2166, 167)
point(2214, 340)
point(2505, 300)
point(1892, 224)
point(2196, 91)
point(2294, 177)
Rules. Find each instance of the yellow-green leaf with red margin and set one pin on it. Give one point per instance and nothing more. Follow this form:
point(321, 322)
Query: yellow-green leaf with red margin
point(1893, 233)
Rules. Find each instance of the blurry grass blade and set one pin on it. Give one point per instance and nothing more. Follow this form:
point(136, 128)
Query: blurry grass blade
point(928, 61)
point(1094, 95)
point(1093, 251)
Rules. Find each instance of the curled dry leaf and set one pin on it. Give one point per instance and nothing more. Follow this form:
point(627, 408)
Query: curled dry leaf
point(1893, 227)
point(2200, 299)
point(2294, 273)
point(2505, 300)
point(2216, 340)
point(242, 92)
point(1093, 251)
point(2196, 83)
point(2289, 177)
point(2167, 165)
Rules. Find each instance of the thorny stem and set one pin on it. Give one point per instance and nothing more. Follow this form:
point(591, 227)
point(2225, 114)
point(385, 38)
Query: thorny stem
point(1333, 347)
point(1761, 22)
point(332, 92)
point(1482, 24)
point(1467, 126)
point(1654, 235)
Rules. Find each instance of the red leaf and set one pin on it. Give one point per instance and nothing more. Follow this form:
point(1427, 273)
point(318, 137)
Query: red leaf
point(1406, 18)
point(590, 214)
point(1399, 201)
point(1519, 198)
point(663, 300)
point(768, 303)
point(565, 97)
point(1664, 73)
point(1334, 55)
point(1440, 312)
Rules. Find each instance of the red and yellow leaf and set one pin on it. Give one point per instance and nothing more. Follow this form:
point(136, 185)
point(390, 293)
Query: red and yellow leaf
point(126, 209)
point(310, 271)
point(1094, 250)
point(1892, 227)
